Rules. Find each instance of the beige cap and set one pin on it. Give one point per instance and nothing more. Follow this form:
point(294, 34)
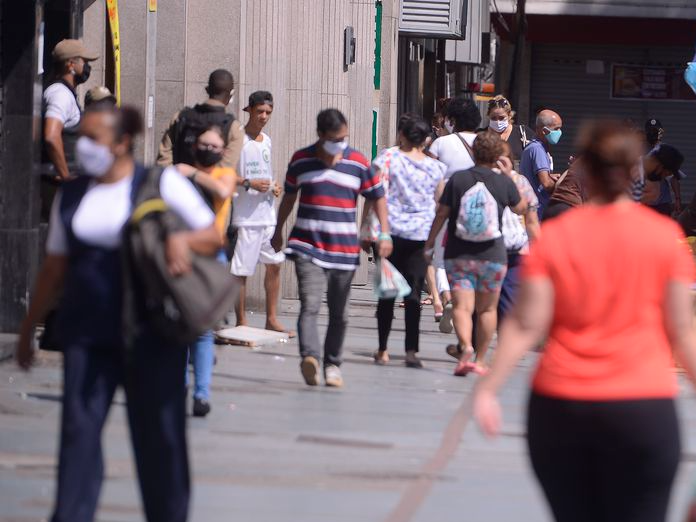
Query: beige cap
point(98, 93)
point(66, 49)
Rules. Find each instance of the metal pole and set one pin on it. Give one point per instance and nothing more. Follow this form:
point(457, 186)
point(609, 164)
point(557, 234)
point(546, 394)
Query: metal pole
point(150, 82)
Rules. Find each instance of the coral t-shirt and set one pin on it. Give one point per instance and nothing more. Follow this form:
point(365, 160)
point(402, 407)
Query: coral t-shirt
point(610, 267)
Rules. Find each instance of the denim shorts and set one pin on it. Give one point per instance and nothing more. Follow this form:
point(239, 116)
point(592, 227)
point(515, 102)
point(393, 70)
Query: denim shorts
point(475, 275)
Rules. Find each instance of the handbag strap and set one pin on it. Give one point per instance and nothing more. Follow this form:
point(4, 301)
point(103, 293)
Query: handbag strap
point(468, 148)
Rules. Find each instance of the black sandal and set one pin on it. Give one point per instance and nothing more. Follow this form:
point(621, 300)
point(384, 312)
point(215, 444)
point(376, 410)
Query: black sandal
point(414, 364)
point(455, 351)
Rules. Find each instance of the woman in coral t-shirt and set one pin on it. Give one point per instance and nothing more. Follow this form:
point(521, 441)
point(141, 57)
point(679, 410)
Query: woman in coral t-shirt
point(608, 286)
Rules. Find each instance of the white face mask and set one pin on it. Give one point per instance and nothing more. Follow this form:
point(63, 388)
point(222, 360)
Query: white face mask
point(449, 126)
point(93, 158)
point(335, 147)
point(499, 125)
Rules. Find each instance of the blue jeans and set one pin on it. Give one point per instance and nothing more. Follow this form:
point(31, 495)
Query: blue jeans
point(203, 355)
point(511, 285)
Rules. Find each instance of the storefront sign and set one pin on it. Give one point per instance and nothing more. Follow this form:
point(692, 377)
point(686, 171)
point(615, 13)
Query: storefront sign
point(112, 10)
point(643, 82)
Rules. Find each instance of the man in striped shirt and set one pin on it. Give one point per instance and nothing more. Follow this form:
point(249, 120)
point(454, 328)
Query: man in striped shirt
point(324, 245)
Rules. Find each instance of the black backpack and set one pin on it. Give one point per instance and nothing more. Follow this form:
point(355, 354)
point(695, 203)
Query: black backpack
point(191, 122)
point(178, 308)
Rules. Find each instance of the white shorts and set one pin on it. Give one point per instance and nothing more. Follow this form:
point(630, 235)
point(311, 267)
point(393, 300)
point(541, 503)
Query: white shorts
point(441, 280)
point(253, 246)
point(439, 262)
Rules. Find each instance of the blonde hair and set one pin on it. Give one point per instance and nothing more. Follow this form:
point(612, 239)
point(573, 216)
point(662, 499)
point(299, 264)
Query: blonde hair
point(501, 102)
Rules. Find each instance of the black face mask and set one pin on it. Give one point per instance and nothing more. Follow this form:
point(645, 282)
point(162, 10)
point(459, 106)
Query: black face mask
point(84, 75)
point(207, 158)
point(653, 176)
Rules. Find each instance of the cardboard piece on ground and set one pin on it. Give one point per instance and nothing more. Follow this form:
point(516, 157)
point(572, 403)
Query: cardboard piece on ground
point(248, 336)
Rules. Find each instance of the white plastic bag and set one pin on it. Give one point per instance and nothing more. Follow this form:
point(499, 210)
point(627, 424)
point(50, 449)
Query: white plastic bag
point(389, 283)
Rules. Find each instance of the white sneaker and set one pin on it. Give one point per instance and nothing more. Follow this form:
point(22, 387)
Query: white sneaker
point(445, 324)
point(332, 376)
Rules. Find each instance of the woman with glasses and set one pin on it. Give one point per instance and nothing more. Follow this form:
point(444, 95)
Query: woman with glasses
point(217, 186)
point(501, 120)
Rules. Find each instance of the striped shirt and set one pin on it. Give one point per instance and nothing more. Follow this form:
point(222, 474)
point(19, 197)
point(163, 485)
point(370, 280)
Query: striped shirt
point(326, 231)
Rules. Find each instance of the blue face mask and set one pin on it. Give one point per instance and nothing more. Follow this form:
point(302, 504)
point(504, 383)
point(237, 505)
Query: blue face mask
point(554, 136)
point(690, 75)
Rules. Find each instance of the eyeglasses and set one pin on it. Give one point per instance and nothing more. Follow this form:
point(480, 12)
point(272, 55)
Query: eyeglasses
point(209, 146)
point(501, 102)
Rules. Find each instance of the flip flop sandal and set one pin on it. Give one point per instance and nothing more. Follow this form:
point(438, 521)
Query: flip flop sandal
point(378, 361)
point(465, 368)
point(417, 363)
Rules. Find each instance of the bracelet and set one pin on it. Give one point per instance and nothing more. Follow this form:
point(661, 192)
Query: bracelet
point(384, 236)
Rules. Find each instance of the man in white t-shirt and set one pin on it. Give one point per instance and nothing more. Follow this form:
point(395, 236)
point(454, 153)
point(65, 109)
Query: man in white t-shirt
point(462, 118)
point(61, 117)
point(253, 211)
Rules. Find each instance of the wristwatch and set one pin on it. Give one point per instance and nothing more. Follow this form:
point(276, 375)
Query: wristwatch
point(246, 184)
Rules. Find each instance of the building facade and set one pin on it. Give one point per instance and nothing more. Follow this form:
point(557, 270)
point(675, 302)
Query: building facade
point(598, 58)
point(311, 54)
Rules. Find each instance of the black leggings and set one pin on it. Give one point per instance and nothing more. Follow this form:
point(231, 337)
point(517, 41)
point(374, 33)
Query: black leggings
point(611, 461)
point(408, 259)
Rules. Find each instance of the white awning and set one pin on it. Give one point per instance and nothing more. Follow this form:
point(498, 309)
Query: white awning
point(684, 9)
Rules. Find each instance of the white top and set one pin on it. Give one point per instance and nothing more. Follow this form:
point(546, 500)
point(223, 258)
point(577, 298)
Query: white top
point(60, 103)
point(411, 195)
point(254, 208)
point(451, 151)
point(106, 207)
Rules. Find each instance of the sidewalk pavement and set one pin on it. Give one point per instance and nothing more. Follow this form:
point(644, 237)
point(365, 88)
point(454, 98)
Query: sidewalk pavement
point(396, 445)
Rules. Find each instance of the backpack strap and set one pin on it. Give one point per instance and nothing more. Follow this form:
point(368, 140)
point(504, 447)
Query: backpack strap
point(144, 191)
point(560, 180)
point(71, 196)
point(466, 146)
point(146, 184)
point(523, 136)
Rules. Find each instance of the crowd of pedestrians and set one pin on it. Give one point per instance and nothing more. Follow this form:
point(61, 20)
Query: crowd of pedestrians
point(457, 210)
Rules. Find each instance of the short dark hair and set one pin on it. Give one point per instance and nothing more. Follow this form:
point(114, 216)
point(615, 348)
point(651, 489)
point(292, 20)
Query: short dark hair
point(330, 120)
point(129, 122)
point(220, 82)
point(488, 147)
point(464, 112)
point(414, 128)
